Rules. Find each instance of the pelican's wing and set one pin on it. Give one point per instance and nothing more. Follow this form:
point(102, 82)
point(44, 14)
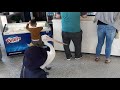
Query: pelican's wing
point(50, 58)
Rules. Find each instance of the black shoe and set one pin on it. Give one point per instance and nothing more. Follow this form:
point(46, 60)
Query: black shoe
point(48, 68)
point(81, 55)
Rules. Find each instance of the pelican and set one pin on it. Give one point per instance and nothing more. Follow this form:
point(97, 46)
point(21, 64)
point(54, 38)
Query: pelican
point(50, 54)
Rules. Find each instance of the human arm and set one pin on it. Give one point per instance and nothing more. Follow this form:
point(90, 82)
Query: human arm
point(40, 28)
point(27, 26)
point(95, 19)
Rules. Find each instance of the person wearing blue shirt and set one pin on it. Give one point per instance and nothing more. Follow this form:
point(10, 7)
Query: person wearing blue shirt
point(71, 31)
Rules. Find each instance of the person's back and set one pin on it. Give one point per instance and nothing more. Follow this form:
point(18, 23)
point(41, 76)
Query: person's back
point(106, 30)
point(34, 57)
point(70, 21)
point(71, 31)
point(34, 30)
point(35, 33)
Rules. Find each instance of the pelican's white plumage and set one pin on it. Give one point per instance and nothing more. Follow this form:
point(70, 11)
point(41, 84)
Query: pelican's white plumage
point(51, 53)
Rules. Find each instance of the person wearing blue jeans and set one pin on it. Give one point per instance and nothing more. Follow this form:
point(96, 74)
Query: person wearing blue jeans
point(106, 30)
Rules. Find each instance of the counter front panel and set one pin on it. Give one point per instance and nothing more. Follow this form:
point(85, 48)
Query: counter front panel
point(89, 37)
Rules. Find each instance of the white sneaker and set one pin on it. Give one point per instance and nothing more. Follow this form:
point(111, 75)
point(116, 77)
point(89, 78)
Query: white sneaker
point(69, 59)
point(77, 58)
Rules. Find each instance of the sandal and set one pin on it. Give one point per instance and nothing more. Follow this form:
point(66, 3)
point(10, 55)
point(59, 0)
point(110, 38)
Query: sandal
point(107, 61)
point(97, 59)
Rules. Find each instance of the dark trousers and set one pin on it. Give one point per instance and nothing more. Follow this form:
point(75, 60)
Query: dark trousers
point(77, 39)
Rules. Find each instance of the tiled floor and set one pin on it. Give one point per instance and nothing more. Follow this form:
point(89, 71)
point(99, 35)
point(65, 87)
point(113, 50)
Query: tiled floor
point(61, 68)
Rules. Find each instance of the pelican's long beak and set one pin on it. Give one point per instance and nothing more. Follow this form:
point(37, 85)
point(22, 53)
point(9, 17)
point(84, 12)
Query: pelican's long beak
point(51, 39)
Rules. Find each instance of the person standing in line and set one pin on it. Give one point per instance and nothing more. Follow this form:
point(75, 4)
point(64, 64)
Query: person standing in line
point(71, 31)
point(107, 26)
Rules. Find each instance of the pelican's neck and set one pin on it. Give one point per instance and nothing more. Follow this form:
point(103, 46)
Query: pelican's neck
point(50, 46)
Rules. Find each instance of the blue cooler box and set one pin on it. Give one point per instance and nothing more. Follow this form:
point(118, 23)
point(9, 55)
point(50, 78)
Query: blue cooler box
point(17, 43)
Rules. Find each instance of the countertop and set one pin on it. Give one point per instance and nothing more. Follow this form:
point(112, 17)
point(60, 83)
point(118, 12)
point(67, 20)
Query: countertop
point(89, 18)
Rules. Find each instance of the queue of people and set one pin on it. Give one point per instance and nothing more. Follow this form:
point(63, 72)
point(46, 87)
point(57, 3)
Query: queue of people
point(108, 26)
